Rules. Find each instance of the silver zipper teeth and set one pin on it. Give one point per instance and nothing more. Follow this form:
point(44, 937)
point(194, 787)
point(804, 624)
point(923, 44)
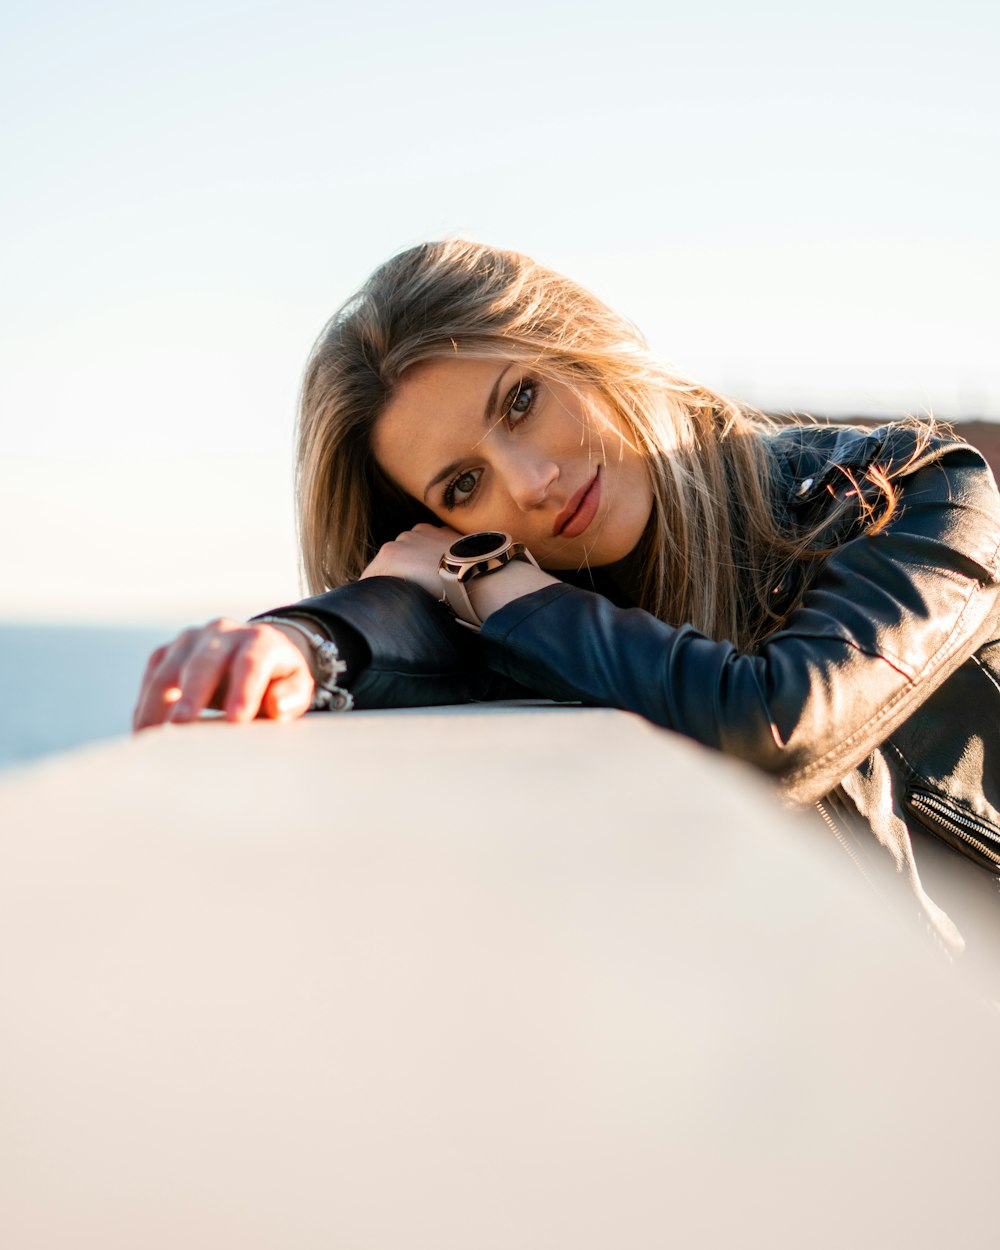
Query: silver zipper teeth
point(953, 820)
point(831, 824)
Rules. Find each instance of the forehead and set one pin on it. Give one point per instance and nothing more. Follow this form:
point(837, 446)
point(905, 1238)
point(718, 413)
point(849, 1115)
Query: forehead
point(438, 409)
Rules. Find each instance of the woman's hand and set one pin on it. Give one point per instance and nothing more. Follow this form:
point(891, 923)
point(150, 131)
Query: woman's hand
point(243, 670)
point(414, 556)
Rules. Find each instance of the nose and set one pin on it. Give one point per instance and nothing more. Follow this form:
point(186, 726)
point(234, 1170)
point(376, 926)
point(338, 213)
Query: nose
point(529, 478)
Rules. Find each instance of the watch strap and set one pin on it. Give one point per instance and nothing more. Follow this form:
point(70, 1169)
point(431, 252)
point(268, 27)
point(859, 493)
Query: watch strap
point(456, 572)
point(456, 598)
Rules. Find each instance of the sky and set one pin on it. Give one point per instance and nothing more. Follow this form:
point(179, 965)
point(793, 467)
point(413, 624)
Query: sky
point(798, 204)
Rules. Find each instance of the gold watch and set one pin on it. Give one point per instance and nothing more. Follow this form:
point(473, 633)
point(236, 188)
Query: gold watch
point(476, 555)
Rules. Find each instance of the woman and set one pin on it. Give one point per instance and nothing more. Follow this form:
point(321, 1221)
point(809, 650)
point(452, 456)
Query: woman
point(820, 601)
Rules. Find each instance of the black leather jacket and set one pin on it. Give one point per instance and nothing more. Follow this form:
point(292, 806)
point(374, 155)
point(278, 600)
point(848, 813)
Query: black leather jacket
point(882, 686)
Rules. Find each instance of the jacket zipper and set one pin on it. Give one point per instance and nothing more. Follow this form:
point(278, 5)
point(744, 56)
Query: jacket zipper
point(974, 836)
point(841, 837)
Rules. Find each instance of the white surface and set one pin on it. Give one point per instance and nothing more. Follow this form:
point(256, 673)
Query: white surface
point(482, 978)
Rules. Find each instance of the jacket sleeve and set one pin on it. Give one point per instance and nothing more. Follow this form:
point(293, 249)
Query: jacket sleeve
point(888, 618)
point(402, 648)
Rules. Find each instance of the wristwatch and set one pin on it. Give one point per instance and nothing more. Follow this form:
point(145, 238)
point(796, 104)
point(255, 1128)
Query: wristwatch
point(476, 555)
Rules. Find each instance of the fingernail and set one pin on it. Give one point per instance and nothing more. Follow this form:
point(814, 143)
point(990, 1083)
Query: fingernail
point(290, 703)
point(182, 710)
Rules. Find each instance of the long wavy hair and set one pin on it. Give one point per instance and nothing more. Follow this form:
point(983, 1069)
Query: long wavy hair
point(715, 547)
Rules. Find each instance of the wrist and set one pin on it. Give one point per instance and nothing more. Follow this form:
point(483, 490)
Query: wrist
point(323, 658)
point(516, 579)
point(294, 633)
point(483, 571)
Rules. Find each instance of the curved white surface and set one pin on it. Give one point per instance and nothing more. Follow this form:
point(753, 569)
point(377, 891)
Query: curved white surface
point(503, 977)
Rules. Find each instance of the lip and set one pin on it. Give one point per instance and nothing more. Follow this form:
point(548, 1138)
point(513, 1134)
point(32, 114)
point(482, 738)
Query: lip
point(580, 510)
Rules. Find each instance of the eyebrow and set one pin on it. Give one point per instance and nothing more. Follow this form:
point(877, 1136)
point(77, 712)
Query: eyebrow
point(489, 416)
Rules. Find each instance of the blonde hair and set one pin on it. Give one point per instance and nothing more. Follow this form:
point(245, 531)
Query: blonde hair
point(713, 550)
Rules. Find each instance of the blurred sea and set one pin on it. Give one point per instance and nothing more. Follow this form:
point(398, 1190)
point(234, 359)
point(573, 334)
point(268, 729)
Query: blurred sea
point(61, 686)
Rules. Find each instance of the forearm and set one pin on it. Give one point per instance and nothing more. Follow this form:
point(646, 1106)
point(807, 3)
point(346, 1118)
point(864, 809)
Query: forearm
point(514, 581)
point(401, 647)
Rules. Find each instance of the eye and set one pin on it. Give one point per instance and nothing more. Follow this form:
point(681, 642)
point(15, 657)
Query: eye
point(461, 488)
point(519, 401)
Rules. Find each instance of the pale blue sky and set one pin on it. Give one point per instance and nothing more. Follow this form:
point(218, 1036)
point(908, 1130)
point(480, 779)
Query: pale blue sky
point(798, 205)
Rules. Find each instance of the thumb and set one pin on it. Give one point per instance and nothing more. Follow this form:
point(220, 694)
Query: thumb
point(288, 697)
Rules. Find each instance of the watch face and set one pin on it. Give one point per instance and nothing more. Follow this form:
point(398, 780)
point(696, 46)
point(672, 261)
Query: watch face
point(476, 546)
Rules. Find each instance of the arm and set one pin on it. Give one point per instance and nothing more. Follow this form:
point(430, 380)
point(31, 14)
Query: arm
point(402, 647)
point(889, 618)
point(399, 645)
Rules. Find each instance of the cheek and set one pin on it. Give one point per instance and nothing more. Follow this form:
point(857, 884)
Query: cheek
point(464, 520)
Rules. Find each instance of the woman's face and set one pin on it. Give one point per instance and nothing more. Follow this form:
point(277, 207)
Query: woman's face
point(485, 444)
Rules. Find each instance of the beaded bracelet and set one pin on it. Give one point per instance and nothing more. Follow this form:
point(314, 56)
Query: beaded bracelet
point(327, 666)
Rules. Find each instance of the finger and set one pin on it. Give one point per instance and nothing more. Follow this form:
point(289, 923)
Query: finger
point(265, 654)
point(154, 661)
point(159, 690)
point(202, 673)
point(288, 697)
point(152, 664)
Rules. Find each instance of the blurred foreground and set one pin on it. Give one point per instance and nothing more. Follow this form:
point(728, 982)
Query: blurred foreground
point(461, 980)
